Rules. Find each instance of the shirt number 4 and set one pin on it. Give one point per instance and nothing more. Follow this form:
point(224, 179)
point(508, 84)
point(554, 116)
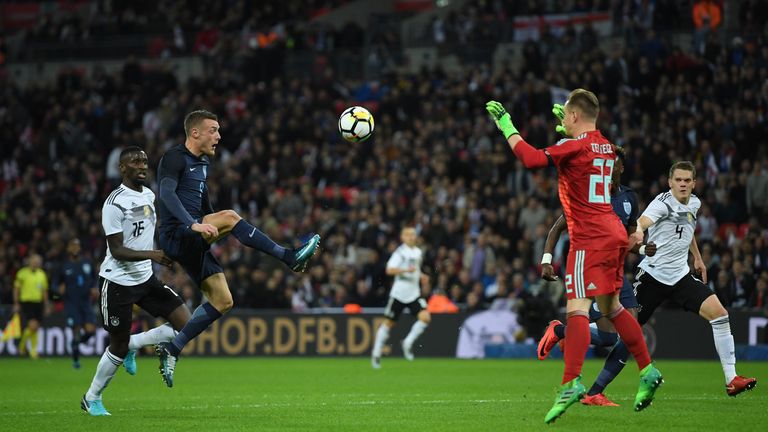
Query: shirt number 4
point(603, 178)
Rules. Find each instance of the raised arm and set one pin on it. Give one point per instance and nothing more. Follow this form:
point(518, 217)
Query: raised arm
point(547, 271)
point(528, 155)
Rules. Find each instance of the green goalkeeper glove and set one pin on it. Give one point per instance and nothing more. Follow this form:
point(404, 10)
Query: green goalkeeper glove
point(559, 112)
point(502, 119)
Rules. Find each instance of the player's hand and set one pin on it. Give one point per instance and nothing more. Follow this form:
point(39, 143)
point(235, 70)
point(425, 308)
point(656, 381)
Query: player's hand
point(700, 268)
point(559, 112)
point(636, 238)
point(207, 230)
point(161, 258)
point(650, 249)
point(410, 269)
point(548, 272)
point(502, 118)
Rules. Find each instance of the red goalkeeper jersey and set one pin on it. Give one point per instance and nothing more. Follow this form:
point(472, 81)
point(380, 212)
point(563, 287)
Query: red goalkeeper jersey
point(585, 166)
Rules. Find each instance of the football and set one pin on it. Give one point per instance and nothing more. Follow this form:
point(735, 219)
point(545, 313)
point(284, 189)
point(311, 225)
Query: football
point(356, 124)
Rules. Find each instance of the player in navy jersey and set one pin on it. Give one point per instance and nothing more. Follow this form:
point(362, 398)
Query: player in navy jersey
point(77, 287)
point(189, 226)
point(624, 202)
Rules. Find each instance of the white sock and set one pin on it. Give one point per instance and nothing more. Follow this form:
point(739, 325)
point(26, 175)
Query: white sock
point(721, 328)
point(381, 338)
point(106, 369)
point(163, 333)
point(416, 330)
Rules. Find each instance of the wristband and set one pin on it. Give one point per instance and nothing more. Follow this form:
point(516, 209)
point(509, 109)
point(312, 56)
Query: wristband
point(641, 251)
point(546, 258)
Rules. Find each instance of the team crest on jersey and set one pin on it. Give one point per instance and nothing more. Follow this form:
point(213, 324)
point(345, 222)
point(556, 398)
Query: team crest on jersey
point(627, 207)
point(115, 321)
point(146, 210)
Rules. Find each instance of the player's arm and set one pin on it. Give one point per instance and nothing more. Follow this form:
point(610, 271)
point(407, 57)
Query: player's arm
point(394, 264)
point(643, 223)
point(171, 168)
point(698, 262)
point(122, 253)
point(207, 206)
point(547, 271)
point(639, 248)
point(528, 155)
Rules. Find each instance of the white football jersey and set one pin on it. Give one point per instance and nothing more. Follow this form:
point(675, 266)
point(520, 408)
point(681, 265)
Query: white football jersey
point(406, 287)
point(672, 231)
point(133, 214)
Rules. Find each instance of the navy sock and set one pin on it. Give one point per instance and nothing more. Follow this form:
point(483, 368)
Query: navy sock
point(250, 236)
point(203, 316)
point(602, 338)
point(75, 348)
point(560, 331)
point(615, 362)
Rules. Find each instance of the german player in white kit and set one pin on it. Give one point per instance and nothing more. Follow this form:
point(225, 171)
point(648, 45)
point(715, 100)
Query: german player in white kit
point(671, 221)
point(126, 277)
point(405, 266)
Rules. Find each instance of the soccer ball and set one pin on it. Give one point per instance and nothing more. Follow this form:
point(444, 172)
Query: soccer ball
point(356, 124)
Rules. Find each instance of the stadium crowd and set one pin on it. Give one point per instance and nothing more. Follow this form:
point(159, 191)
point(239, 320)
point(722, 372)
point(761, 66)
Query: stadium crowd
point(435, 161)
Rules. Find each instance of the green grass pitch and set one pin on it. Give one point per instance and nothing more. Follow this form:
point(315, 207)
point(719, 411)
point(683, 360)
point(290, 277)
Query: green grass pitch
point(345, 394)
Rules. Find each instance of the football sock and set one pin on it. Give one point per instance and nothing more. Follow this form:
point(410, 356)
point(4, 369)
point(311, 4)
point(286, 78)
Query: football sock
point(162, 333)
point(250, 236)
point(576, 345)
point(416, 330)
point(76, 346)
point(104, 372)
point(560, 331)
point(381, 338)
point(615, 362)
point(204, 315)
point(721, 328)
point(630, 332)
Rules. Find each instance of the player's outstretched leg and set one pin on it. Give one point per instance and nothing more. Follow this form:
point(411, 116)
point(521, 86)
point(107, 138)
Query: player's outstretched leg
point(251, 236)
point(105, 371)
point(569, 393)
point(721, 330)
point(650, 380)
point(151, 337)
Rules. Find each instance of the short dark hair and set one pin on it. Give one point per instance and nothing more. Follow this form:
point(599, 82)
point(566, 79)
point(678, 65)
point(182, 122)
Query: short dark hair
point(621, 153)
point(682, 165)
point(196, 117)
point(586, 102)
point(128, 151)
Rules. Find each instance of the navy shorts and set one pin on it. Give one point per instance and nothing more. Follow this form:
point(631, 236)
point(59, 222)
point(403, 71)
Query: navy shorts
point(190, 249)
point(626, 298)
point(79, 312)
